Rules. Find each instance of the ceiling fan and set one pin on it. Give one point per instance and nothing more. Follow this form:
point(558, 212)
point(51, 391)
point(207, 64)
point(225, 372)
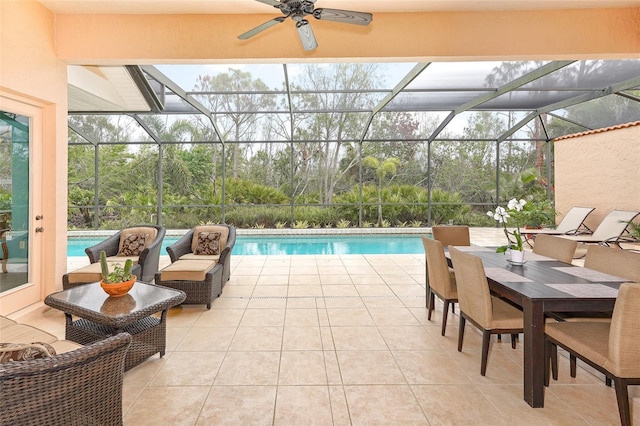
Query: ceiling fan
point(298, 10)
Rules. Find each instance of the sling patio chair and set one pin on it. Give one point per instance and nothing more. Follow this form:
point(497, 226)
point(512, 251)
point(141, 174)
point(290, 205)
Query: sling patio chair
point(610, 231)
point(571, 224)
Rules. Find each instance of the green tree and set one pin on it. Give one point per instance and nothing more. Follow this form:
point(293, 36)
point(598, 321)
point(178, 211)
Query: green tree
point(237, 114)
point(329, 92)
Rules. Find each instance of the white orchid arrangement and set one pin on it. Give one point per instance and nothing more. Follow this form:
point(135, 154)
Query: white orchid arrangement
point(502, 215)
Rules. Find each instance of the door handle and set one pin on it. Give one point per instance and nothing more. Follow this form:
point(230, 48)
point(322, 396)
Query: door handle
point(39, 229)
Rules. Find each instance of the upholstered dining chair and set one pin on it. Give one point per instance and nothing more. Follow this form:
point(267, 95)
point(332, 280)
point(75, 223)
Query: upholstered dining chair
point(613, 261)
point(448, 235)
point(611, 348)
point(557, 248)
point(441, 279)
point(490, 314)
point(451, 235)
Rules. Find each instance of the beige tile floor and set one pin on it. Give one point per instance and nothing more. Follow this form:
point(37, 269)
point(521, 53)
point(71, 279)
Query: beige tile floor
point(299, 340)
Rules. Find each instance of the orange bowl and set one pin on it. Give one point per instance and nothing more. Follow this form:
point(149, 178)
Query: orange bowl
point(118, 289)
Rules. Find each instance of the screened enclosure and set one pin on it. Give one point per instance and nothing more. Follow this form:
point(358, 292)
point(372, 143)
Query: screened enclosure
point(330, 144)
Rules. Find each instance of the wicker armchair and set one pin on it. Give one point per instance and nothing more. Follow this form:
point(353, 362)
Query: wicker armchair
point(80, 387)
point(145, 265)
point(183, 248)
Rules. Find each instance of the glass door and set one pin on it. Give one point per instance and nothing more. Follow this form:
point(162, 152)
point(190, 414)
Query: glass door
point(14, 201)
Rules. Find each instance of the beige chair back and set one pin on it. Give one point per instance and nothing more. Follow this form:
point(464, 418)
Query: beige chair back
point(561, 249)
point(610, 260)
point(474, 297)
point(150, 232)
point(438, 269)
point(223, 230)
point(452, 235)
point(624, 345)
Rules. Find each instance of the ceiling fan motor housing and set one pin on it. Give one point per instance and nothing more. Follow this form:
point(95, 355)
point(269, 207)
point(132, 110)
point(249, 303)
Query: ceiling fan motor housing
point(296, 8)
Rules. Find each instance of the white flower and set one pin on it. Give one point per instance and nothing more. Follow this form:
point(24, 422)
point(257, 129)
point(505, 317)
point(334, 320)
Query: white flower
point(516, 205)
point(501, 215)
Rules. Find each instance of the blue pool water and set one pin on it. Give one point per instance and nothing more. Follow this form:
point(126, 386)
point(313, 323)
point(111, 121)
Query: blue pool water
point(293, 244)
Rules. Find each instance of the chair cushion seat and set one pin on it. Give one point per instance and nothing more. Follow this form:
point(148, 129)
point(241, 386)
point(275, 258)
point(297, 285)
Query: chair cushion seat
point(209, 257)
point(505, 316)
point(187, 270)
point(6, 322)
point(589, 340)
point(21, 333)
point(62, 346)
point(93, 272)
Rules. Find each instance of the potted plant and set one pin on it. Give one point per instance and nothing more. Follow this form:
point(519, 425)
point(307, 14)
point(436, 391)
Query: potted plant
point(514, 238)
point(119, 281)
point(537, 214)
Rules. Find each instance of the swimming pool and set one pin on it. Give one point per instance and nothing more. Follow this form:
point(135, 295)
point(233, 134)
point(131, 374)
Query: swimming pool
point(294, 244)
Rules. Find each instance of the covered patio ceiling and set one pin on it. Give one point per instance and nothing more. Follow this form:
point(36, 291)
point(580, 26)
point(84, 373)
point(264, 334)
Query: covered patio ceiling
point(447, 92)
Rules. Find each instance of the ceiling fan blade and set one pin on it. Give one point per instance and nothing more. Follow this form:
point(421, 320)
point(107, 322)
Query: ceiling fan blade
point(306, 35)
point(345, 16)
point(274, 3)
point(261, 27)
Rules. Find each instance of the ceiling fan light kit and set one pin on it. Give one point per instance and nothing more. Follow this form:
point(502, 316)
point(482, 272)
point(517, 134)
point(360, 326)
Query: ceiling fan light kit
point(298, 10)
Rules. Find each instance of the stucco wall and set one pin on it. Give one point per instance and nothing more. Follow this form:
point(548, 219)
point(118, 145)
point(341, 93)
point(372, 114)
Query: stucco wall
point(443, 36)
point(600, 170)
point(32, 78)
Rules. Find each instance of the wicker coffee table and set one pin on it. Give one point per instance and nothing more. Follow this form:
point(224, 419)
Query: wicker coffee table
point(100, 316)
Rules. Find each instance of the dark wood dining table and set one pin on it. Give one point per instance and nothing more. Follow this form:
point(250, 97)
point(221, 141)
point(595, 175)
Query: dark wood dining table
point(540, 286)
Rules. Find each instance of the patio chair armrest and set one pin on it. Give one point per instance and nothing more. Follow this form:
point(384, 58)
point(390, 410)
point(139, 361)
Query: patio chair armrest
point(110, 247)
point(149, 259)
point(231, 239)
point(180, 247)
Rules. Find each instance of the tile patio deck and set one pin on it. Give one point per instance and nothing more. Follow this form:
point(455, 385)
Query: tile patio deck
point(298, 340)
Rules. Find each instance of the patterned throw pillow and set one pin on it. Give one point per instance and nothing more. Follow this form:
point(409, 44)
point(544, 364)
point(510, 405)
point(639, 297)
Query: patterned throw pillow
point(208, 243)
point(133, 244)
point(25, 351)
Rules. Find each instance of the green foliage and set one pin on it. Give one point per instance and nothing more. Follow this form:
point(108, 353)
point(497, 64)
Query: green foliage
point(300, 224)
point(119, 274)
point(240, 191)
point(634, 229)
point(319, 170)
point(343, 223)
point(447, 206)
point(5, 200)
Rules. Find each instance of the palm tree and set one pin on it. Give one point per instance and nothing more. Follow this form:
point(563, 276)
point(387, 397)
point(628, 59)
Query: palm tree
point(382, 169)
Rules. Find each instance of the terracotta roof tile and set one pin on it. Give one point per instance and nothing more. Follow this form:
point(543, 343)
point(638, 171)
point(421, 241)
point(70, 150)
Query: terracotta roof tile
point(602, 130)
